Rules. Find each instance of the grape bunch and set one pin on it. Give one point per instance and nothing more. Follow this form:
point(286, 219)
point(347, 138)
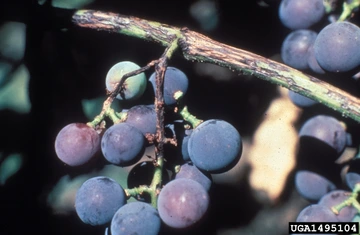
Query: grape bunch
point(170, 193)
point(327, 44)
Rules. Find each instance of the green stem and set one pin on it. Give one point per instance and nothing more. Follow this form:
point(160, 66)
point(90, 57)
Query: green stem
point(197, 47)
point(348, 9)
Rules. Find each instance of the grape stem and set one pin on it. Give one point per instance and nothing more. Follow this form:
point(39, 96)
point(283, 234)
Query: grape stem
point(197, 47)
point(348, 9)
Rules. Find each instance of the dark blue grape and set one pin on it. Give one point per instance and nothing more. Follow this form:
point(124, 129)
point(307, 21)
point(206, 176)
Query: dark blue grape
point(312, 186)
point(189, 171)
point(296, 14)
point(352, 178)
point(76, 144)
point(300, 100)
point(294, 49)
point(184, 148)
point(98, 199)
point(336, 197)
point(215, 146)
point(182, 203)
point(136, 218)
point(123, 144)
point(326, 129)
point(143, 117)
point(174, 80)
point(337, 47)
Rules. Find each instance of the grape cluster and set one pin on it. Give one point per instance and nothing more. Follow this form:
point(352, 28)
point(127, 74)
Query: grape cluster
point(322, 43)
point(171, 194)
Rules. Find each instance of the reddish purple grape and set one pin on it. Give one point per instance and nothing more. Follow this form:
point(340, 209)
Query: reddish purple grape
point(76, 144)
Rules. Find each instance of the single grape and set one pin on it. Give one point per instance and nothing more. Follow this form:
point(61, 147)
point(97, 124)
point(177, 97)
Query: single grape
point(312, 186)
point(134, 86)
point(336, 197)
point(316, 213)
point(352, 178)
point(326, 129)
point(122, 144)
point(143, 117)
point(296, 14)
point(98, 199)
point(294, 49)
point(76, 144)
point(189, 171)
point(312, 62)
point(182, 203)
point(300, 100)
point(215, 146)
point(184, 148)
point(136, 218)
point(174, 80)
point(337, 47)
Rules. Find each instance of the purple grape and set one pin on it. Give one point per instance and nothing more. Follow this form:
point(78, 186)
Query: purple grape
point(136, 218)
point(215, 146)
point(296, 14)
point(352, 178)
point(336, 197)
point(174, 80)
point(123, 144)
point(182, 203)
point(312, 186)
point(294, 49)
point(143, 118)
point(300, 100)
point(337, 47)
point(76, 144)
point(326, 129)
point(189, 171)
point(98, 199)
point(316, 213)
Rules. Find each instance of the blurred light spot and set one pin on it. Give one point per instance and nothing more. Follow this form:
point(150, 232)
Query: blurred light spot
point(205, 13)
point(71, 4)
point(12, 40)
point(15, 94)
point(10, 166)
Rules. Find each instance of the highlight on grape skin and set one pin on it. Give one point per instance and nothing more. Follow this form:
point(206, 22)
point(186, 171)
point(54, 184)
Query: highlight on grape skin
point(134, 86)
point(143, 117)
point(136, 218)
point(174, 80)
point(337, 47)
point(122, 144)
point(98, 199)
point(76, 144)
point(215, 146)
point(182, 203)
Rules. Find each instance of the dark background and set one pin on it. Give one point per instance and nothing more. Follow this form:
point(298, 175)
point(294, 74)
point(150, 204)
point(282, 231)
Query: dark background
point(67, 66)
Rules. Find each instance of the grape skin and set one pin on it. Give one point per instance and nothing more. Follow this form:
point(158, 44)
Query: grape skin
point(122, 144)
point(215, 146)
point(76, 144)
point(136, 218)
point(294, 49)
point(134, 86)
point(296, 14)
point(143, 118)
point(337, 47)
point(316, 213)
point(312, 186)
point(174, 80)
point(300, 100)
point(189, 171)
point(327, 129)
point(98, 199)
point(352, 178)
point(336, 197)
point(182, 203)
